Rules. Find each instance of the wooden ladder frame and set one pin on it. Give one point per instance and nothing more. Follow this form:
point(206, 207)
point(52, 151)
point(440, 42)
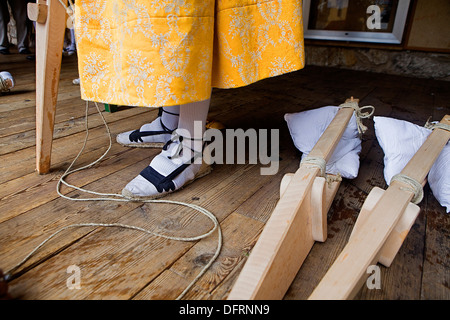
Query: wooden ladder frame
point(382, 225)
point(298, 220)
point(50, 17)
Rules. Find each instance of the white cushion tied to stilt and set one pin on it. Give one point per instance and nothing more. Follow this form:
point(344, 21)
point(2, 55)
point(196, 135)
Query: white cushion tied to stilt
point(400, 140)
point(308, 126)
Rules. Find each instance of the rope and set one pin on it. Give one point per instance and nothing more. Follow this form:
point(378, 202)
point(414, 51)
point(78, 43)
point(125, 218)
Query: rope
point(315, 162)
point(359, 114)
point(333, 178)
point(414, 186)
point(437, 125)
point(121, 198)
point(118, 197)
point(70, 9)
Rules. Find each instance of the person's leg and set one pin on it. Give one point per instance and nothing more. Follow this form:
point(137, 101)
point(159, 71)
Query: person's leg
point(155, 133)
point(178, 163)
point(19, 11)
point(72, 48)
point(4, 20)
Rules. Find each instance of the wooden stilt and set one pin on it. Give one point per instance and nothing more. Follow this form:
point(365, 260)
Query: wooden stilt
point(398, 234)
point(384, 222)
point(50, 17)
point(297, 221)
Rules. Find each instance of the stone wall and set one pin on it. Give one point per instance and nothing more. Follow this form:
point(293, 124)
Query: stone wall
point(408, 63)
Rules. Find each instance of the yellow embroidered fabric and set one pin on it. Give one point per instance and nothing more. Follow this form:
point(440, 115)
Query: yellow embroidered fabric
point(168, 52)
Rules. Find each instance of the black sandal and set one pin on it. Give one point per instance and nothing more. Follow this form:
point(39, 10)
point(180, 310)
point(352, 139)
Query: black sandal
point(134, 138)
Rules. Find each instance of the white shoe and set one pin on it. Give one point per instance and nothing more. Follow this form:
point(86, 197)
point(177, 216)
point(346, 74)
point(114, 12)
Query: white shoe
point(168, 172)
point(6, 81)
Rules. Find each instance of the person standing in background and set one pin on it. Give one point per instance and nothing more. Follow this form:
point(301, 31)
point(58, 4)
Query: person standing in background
point(19, 12)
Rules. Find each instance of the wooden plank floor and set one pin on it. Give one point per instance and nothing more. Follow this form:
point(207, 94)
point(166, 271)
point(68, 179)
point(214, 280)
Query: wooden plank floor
point(124, 264)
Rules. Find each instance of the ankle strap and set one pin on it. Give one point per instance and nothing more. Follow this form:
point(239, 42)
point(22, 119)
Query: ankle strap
point(161, 110)
point(180, 138)
point(176, 136)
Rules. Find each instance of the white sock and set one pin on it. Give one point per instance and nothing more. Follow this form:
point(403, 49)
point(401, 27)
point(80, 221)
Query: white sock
point(192, 122)
point(170, 116)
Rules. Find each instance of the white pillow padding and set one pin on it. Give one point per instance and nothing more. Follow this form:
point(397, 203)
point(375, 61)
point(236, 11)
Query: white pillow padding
point(439, 178)
point(306, 128)
point(400, 140)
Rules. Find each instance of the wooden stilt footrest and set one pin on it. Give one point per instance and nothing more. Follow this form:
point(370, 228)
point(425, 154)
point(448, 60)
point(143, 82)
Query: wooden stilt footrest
point(322, 196)
point(298, 220)
point(384, 221)
point(37, 11)
point(395, 240)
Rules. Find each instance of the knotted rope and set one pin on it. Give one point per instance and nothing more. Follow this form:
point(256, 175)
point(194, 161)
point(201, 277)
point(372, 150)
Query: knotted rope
point(437, 125)
point(359, 114)
point(70, 9)
point(413, 186)
point(317, 162)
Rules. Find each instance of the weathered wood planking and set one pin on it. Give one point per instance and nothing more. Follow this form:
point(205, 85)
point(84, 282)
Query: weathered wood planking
point(418, 272)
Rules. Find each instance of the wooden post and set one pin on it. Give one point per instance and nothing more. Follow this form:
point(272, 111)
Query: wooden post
point(382, 230)
point(37, 11)
point(288, 235)
point(49, 46)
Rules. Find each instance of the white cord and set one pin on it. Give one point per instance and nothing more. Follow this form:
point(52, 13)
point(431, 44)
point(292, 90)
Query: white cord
point(359, 114)
point(315, 162)
point(118, 197)
point(414, 186)
point(121, 198)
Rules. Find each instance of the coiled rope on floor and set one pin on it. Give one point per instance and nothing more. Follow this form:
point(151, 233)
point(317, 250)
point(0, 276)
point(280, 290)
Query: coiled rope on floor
point(118, 197)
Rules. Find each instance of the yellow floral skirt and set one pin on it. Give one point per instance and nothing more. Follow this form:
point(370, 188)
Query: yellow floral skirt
point(168, 52)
